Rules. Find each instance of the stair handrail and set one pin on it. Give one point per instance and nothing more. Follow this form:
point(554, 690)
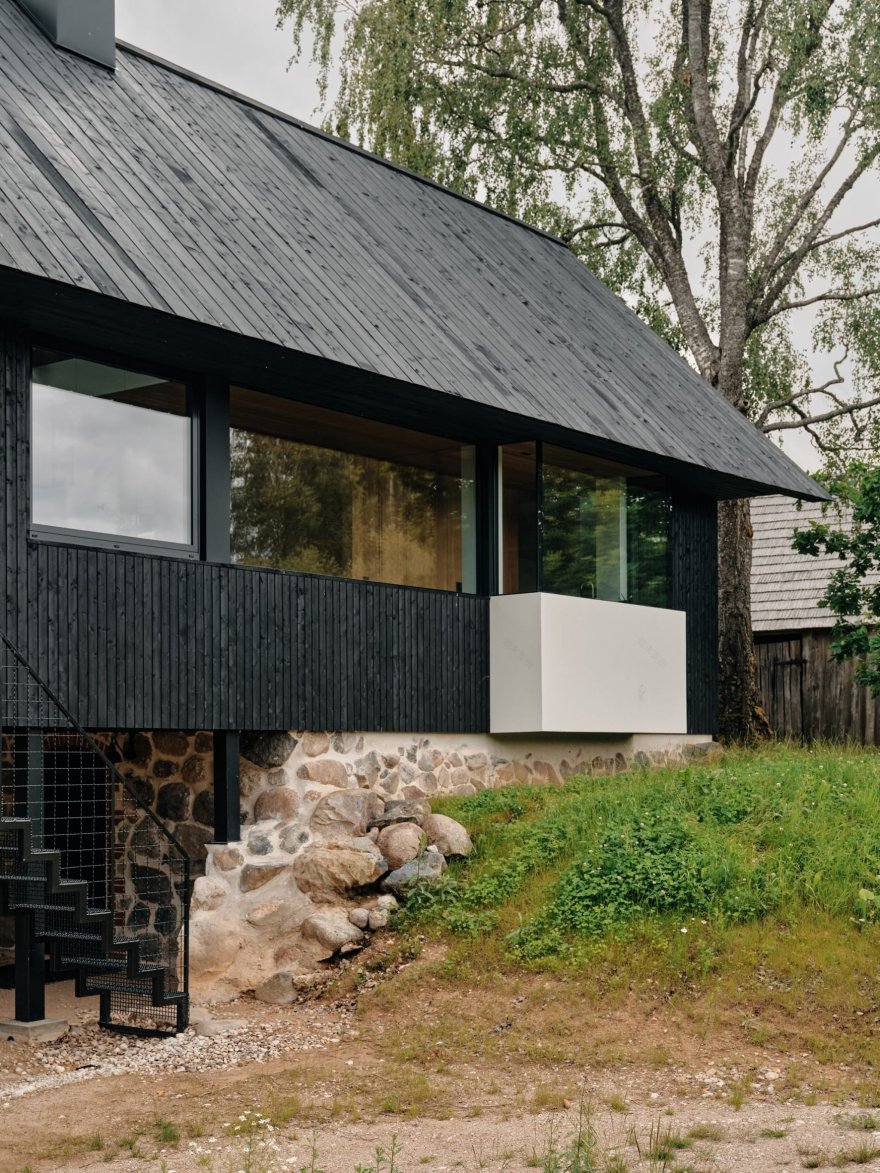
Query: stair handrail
point(129, 790)
point(96, 749)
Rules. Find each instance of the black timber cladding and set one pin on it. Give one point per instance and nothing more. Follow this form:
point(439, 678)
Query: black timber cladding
point(139, 641)
point(694, 556)
point(152, 188)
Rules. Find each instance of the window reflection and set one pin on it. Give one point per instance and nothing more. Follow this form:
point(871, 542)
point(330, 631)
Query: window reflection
point(604, 527)
point(111, 451)
point(322, 492)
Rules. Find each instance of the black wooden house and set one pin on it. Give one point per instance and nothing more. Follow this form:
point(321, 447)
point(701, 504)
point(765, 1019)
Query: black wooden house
point(294, 440)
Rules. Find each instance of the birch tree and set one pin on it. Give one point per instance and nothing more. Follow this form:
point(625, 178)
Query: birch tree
point(707, 160)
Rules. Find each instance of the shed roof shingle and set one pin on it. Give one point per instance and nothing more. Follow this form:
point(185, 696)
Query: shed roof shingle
point(153, 187)
point(787, 586)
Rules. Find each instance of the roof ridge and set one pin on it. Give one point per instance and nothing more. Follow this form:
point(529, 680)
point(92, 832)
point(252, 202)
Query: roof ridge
point(256, 104)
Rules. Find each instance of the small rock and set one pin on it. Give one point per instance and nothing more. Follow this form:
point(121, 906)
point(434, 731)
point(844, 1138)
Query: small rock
point(267, 750)
point(227, 858)
point(425, 869)
point(332, 929)
point(378, 919)
point(359, 917)
point(314, 744)
point(211, 1028)
point(388, 902)
point(402, 811)
point(259, 844)
point(255, 875)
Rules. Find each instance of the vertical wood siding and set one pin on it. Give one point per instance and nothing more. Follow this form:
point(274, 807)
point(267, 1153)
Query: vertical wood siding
point(694, 558)
point(809, 697)
point(138, 641)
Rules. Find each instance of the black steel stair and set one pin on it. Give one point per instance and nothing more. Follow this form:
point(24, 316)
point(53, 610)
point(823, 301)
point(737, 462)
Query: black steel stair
point(98, 887)
point(65, 901)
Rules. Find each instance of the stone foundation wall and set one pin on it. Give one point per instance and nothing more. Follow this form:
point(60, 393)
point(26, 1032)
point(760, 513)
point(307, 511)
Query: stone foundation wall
point(269, 910)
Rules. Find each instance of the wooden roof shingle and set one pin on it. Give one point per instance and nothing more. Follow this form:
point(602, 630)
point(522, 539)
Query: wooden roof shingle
point(156, 188)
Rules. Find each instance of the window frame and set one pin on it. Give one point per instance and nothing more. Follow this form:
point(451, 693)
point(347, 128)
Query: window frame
point(70, 536)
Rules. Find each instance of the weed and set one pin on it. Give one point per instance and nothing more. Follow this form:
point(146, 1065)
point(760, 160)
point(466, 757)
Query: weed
point(617, 1103)
point(96, 1143)
point(773, 1133)
point(706, 1132)
point(861, 1121)
point(861, 1154)
point(167, 1132)
point(384, 1160)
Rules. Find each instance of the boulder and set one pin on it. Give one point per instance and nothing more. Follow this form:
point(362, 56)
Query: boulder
point(278, 990)
point(195, 771)
point(448, 836)
point(278, 803)
point(378, 919)
point(332, 929)
point(401, 842)
point(208, 894)
point(194, 840)
point(171, 742)
point(359, 917)
point(425, 869)
point(226, 859)
point(173, 801)
point(346, 813)
point(267, 750)
point(213, 945)
point(203, 808)
point(325, 771)
point(402, 811)
point(327, 871)
point(315, 744)
point(293, 838)
point(255, 875)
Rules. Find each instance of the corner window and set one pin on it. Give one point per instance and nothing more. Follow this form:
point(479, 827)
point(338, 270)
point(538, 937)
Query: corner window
point(111, 452)
point(574, 524)
point(321, 492)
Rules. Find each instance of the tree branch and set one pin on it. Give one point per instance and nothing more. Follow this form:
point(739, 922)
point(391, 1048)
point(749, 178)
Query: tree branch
point(828, 295)
point(823, 417)
point(822, 389)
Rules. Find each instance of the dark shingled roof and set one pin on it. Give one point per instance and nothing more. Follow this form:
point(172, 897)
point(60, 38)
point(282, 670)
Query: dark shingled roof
point(159, 189)
point(787, 586)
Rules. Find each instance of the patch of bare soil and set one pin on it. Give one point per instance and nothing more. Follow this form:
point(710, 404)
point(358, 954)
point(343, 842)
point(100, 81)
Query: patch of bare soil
point(504, 1074)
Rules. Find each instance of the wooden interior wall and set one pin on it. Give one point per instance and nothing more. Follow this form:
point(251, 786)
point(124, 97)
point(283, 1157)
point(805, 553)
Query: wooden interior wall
point(809, 697)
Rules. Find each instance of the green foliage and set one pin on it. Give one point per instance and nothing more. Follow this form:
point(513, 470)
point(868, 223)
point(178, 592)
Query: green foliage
point(853, 591)
point(677, 853)
point(588, 120)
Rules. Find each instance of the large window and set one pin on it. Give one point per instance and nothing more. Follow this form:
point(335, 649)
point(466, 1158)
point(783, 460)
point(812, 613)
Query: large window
point(112, 452)
point(326, 493)
point(577, 525)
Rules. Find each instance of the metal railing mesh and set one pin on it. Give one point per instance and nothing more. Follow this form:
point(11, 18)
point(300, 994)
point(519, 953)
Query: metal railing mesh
point(105, 881)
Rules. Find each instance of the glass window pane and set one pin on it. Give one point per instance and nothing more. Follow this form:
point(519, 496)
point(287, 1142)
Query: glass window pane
point(111, 451)
point(321, 492)
point(605, 529)
point(518, 474)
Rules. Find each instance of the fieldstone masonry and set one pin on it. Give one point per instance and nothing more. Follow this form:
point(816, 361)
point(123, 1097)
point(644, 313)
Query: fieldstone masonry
point(335, 828)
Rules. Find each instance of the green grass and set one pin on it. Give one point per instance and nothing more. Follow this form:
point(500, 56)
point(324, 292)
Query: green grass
point(677, 860)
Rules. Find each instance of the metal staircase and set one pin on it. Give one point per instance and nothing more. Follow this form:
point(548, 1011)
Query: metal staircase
point(97, 886)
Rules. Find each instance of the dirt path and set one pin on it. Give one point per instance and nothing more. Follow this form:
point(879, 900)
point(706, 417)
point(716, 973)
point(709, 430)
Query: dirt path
point(500, 1077)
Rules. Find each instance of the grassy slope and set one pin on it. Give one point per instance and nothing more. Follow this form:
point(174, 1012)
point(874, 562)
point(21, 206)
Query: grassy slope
point(737, 882)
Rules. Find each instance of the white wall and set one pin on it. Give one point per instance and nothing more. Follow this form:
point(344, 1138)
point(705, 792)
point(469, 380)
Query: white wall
point(568, 665)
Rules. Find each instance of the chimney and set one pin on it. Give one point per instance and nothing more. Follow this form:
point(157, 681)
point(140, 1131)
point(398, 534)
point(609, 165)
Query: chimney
point(86, 27)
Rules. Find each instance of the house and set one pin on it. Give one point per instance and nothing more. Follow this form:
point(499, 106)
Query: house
point(323, 488)
point(805, 693)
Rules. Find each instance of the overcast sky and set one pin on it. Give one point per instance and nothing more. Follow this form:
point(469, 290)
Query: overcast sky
point(235, 42)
